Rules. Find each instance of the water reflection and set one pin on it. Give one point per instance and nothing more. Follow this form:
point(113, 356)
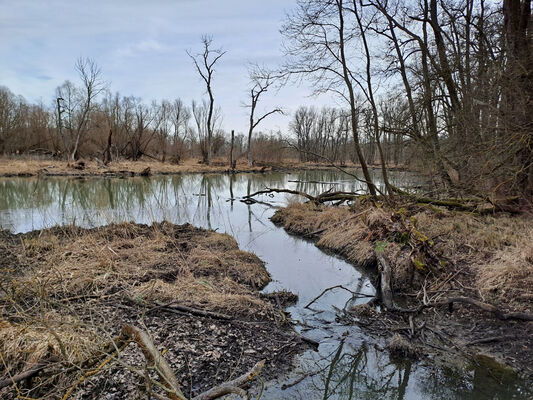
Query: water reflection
point(355, 370)
point(345, 366)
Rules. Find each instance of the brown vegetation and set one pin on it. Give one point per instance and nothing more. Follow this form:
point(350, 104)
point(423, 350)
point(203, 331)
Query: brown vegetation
point(66, 292)
point(437, 257)
point(31, 166)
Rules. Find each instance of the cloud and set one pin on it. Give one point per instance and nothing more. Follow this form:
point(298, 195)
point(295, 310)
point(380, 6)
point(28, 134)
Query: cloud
point(44, 77)
point(142, 47)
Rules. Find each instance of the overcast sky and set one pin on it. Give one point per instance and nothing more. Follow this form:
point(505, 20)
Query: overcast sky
point(141, 48)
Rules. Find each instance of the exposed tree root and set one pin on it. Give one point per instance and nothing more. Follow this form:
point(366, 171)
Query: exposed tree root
point(485, 307)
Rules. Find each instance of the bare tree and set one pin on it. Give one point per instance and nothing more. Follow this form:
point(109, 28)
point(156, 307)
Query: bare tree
point(90, 75)
point(319, 40)
point(261, 82)
point(205, 65)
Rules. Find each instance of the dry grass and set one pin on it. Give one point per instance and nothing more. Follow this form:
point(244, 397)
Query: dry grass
point(64, 302)
point(130, 257)
point(421, 241)
point(58, 167)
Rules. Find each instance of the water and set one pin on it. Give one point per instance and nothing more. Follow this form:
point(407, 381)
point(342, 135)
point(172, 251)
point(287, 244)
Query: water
point(347, 364)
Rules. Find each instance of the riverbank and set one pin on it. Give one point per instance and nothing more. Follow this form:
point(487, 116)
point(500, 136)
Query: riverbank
point(13, 167)
point(68, 291)
point(435, 255)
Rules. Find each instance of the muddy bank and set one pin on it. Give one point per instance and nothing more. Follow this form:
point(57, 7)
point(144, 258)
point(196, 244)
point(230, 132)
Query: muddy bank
point(435, 255)
point(30, 167)
point(67, 291)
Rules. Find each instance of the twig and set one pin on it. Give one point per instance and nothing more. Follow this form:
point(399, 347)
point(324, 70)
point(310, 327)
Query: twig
point(336, 287)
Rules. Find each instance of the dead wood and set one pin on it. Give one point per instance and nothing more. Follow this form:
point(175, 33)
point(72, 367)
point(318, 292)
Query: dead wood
point(230, 386)
point(485, 307)
point(177, 308)
point(336, 287)
point(29, 373)
point(320, 199)
point(491, 339)
point(154, 357)
point(385, 272)
point(273, 190)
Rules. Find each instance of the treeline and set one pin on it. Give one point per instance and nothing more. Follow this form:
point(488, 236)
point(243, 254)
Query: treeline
point(446, 84)
point(111, 127)
point(118, 127)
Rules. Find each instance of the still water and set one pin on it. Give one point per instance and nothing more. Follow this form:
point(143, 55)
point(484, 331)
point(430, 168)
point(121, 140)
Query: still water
point(347, 364)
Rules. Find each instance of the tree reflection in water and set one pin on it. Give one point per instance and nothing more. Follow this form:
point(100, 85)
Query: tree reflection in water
point(364, 372)
point(345, 368)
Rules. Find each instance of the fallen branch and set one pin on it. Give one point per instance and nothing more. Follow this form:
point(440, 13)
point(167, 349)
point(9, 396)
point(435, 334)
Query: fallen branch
point(336, 287)
point(486, 307)
point(491, 339)
point(153, 356)
point(29, 373)
point(273, 190)
point(321, 198)
point(230, 386)
point(177, 308)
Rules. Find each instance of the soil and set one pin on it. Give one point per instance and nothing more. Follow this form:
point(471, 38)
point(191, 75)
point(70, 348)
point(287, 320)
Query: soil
point(449, 254)
point(67, 291)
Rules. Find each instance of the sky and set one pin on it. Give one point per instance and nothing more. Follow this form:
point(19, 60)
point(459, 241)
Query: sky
point(141, 47)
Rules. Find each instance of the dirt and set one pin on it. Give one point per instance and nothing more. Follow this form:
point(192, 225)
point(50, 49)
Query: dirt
point(67, 291)
point(435, 254)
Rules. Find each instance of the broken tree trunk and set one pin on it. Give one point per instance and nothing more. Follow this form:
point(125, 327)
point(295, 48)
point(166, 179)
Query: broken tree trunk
point(231, 162)
point(386, 292)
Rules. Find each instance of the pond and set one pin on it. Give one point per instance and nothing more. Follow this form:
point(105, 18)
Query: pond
point(347, 364)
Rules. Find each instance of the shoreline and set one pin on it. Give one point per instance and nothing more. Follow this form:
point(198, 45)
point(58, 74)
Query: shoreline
point(446, 333)
point(192, 290)
point(12, 168)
